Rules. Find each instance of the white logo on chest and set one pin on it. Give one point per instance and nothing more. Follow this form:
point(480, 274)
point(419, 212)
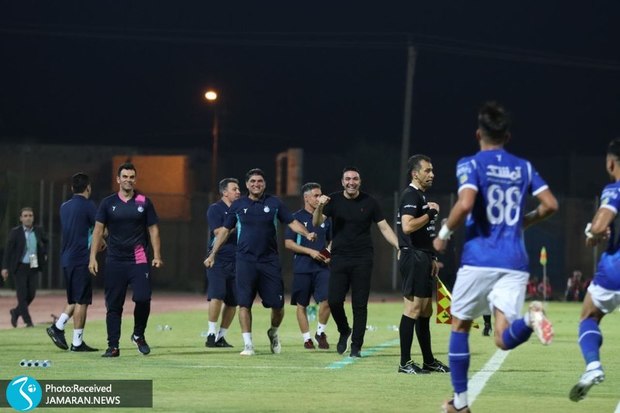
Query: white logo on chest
point(266, 209)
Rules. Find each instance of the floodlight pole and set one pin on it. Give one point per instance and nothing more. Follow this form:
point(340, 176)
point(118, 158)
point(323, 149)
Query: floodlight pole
point(404, 150)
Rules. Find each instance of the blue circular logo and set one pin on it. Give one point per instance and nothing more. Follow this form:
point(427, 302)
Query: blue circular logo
point(24, 393)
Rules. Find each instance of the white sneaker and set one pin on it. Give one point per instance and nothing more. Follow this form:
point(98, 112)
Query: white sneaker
point(587, 380)
point(274, 341)
point(248, 350)
point(540, 323)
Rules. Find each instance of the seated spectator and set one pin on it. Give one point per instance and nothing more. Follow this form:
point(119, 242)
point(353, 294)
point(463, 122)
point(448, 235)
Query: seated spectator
point(544, 289)
point(574, 287)
point(531, 292)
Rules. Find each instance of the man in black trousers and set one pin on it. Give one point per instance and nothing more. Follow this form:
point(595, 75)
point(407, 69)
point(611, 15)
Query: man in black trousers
point(418, 266)
point(24, 257)
point(352, 212)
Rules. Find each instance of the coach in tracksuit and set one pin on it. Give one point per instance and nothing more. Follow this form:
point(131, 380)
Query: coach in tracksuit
point(257, 263)
point(131, 221)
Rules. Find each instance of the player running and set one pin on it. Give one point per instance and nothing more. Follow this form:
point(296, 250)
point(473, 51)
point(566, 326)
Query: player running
point(603, 295)
point(494, 265)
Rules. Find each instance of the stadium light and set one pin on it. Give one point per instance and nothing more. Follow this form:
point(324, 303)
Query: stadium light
point(211, 96)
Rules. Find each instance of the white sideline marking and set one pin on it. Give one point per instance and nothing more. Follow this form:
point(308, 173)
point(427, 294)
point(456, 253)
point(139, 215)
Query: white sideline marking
point(477, 383)
point(197, 366)
point(617, 408)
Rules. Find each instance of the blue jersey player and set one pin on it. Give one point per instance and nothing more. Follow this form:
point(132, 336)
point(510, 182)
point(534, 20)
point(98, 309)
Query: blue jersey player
point(493, 185)
point(603, 294)
point(131, 222)
point(258, 268)
point(310, 271)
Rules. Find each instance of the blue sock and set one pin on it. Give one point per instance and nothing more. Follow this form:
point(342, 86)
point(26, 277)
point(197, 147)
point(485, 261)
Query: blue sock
point(590, 340)
point(517, 333)
point(458, 357)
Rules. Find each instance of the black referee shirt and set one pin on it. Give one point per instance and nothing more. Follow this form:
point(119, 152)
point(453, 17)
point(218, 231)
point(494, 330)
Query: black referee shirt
point(414, 203)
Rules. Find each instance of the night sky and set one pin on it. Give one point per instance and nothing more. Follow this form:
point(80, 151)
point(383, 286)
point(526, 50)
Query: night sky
point(309, 74)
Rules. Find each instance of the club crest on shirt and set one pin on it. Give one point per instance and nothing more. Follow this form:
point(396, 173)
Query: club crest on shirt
point(266, 209)
point(245, 210)
point(113, 208)
point(140, 208)
point(323, 225)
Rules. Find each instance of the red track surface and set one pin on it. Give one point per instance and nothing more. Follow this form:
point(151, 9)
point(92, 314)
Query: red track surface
point(53, 302)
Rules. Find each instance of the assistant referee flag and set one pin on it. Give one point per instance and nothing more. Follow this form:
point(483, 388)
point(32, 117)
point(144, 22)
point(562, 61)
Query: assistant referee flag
point(444, 302)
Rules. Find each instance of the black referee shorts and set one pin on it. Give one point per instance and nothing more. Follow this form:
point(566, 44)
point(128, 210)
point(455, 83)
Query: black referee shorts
point(416, 271)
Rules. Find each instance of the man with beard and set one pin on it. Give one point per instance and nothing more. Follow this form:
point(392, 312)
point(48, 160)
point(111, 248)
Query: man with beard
point(132, 222)
point(352, 212)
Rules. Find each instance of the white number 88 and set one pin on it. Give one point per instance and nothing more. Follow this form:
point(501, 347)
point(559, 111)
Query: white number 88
point(503, 206)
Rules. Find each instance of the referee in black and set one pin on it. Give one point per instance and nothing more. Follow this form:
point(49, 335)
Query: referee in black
point(418, 266)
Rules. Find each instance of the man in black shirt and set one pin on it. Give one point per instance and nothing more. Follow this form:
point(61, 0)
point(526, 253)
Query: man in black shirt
point(418, 266)
point(131, 222)
point(352, 213)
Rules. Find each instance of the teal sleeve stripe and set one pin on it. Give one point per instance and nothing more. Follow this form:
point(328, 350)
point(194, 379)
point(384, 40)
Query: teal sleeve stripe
point(238, 227)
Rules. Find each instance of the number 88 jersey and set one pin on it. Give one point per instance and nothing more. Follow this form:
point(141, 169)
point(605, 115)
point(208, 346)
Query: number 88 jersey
point(494, 229)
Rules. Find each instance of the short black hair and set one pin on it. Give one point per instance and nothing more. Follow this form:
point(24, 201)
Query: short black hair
point(254, 171)
point(494, 122)
point(350, 168)
point(614, 148)
point(309, 186)
point(413, 164)
point(26, 208)
point(224, 184)
point(126, 165)
point(79, 182)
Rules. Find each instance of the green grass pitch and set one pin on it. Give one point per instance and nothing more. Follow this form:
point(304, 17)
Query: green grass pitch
point(188, 377)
